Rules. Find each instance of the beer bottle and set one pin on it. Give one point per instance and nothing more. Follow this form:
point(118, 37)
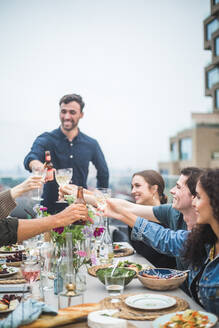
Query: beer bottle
point(80, 200)
point(48, 166)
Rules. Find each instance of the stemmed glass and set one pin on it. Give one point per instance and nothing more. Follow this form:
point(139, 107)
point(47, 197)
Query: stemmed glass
point(47, 259)
point(38, 172)
point(30, 270)
point(101, 195)
point(63, 177)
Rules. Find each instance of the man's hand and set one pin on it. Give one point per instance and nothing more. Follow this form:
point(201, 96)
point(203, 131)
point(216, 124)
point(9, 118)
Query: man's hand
point(36, 165)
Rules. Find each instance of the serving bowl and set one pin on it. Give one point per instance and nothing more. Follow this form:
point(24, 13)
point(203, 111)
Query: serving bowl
point(161, 278)
point(129, 274)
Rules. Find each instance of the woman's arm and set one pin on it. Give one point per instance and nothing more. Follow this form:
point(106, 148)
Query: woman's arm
point(127, 211)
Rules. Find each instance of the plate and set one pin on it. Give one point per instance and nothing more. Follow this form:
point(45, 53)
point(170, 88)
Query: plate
point(165, 318)
point(11, 271)
point(14, 249)
point(150, 301)
point(12, 306)
point(121, 248)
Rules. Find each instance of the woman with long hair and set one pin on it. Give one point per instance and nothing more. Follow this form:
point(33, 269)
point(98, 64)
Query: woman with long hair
point(199, 247)
point(147, 188)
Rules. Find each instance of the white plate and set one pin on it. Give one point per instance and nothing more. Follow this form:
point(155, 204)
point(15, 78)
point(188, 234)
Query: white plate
point(14, 249)
point(11, 271)
point(150, 301)
point(12, 306)
point(165, 318)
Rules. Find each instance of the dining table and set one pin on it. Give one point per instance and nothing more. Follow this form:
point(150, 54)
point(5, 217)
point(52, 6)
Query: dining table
point(96, 292)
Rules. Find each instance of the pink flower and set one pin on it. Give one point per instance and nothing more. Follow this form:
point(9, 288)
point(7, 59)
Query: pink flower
point(59, 230)
point(43, 208)
point(98, 232)
point(82, 253)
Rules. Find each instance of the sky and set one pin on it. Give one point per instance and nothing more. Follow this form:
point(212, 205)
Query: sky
point(138, 64)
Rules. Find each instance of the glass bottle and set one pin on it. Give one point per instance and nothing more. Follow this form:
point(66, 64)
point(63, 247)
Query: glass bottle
point(69, 275)
point(106, 254)
point(80, 200)
point(48, 166)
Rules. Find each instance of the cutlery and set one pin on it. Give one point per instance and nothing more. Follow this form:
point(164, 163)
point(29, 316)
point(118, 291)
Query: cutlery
point(114, 267)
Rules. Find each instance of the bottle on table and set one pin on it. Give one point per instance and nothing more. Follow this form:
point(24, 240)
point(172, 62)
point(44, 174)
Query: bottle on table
point(48, 166)
point(80, 200)
point(106, 254)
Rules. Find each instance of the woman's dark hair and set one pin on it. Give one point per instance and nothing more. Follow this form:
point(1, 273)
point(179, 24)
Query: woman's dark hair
point(72, 97)
point(203, 234)
point(154, 178)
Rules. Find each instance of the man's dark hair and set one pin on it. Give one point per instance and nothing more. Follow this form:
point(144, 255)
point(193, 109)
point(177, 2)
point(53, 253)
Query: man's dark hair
point(72, 97)
point(193, 174)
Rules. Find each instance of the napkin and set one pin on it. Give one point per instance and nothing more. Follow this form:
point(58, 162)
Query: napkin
point(26, 312)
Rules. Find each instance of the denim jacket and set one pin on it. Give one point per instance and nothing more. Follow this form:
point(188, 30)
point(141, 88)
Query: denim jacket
point(171, 242)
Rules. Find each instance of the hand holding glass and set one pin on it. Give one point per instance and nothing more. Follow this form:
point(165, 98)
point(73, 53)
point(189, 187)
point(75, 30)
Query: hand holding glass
point(101, 195)
point(38, 172)
point(63, 177)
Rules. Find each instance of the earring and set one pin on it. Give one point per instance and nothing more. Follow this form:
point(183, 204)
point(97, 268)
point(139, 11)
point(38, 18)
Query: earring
point(153, 197)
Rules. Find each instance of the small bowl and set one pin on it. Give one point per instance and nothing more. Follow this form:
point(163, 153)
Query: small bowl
point(162, 279)
point(129, 274)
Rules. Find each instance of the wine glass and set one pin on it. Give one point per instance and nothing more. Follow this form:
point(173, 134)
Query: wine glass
point(63, 177)
point(30, 270)
point(47, 262)
point(38, 172)
point(101, 195)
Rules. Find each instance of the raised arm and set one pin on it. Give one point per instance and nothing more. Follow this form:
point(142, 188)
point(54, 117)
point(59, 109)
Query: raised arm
point(143, 211)
point(71, 214)
point(8, 197)
point(164, 240)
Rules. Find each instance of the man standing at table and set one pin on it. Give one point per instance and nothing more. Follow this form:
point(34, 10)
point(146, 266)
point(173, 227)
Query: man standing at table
point(69, 147)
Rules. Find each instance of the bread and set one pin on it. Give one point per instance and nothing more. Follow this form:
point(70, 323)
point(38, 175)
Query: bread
point(64, 316)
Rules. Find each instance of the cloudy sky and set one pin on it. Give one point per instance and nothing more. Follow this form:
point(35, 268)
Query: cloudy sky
point(137, 63)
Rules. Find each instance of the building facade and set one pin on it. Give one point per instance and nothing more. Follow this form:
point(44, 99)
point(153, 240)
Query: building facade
point(199, 145)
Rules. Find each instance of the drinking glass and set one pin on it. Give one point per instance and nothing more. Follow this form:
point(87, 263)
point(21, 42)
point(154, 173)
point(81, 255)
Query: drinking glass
point(63, 177)
point(31, 247)
point(101, 195)
point(30, 270)
point(47, 268)
point(115, 286)
point(38, 172)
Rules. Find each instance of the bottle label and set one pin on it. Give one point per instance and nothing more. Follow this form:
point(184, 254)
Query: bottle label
point(49, 174)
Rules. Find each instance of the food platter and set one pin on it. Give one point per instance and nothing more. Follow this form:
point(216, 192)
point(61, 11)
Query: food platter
point(12, 249)
point(130, 265)
point(164, 319)
point(150, 301)
point(117, 248)
point(10, 271)
point(12, 306)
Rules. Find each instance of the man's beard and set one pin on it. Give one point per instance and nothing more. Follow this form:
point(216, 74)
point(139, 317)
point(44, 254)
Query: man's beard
point(70, 127)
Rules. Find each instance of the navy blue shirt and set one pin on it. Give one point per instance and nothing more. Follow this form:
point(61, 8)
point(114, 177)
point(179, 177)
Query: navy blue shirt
point(64, 153)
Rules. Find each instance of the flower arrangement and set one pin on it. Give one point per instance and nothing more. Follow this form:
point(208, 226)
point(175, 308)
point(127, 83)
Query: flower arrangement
point(80, 258)
point(40, 210)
